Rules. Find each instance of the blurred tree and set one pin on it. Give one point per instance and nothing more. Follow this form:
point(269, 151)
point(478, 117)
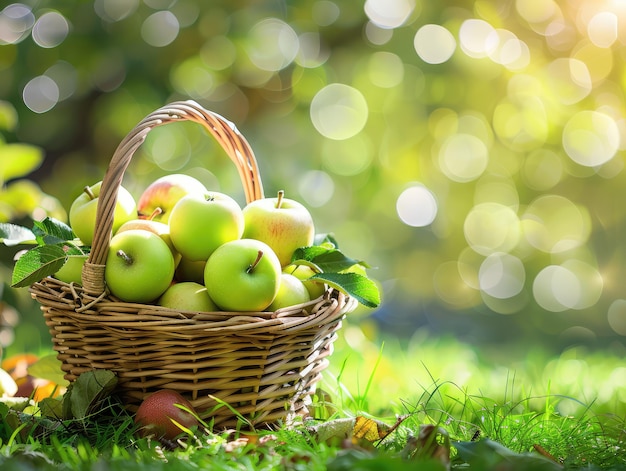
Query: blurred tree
point(472, 151)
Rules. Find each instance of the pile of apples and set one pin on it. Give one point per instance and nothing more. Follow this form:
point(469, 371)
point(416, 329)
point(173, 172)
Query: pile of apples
point(187, 248)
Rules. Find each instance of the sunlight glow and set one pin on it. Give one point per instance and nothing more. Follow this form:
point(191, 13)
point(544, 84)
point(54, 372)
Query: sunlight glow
point(491, 227)
point(389, 14)
point(463, 157)
point(339, 111)
point(417, 206)
point(553, 224)
point(434, 44)
point(591, 138)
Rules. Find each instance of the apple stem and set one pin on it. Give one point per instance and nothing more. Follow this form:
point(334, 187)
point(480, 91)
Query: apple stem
point(120, 253)
point(155, 213)
point(89, 193)
point(279, 199)
point(253, 265)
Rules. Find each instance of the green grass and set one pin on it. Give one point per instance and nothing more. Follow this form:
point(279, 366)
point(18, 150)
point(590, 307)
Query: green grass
point(495, 406)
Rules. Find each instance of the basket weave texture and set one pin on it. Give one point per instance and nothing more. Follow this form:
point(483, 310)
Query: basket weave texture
point(260, 366)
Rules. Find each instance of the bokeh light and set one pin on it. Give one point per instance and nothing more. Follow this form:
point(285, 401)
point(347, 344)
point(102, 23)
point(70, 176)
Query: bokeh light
point(492, 227)
point(502, 275)
point(50, 29)
point(463, 157)
point(41, 94)
point(272, 44)
point(389, 13)
point(554, 224)
point(339, 111)
point(160, 29)
point(571, 285)
point(16, 21)
point(115, 10)
point(434, 44)
point(417, 206)
point(591, 138)
point(616, 316)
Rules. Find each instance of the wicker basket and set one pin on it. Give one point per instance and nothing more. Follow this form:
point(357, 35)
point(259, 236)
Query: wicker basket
point(263, 365)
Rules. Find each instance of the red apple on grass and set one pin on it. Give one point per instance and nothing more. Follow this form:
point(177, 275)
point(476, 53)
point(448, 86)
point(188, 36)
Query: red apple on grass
point(199, 224)
point(161, 412)
point(139, 266)
point(242, 275)
point(82, 214)
point(283, 224)
point(164, 193)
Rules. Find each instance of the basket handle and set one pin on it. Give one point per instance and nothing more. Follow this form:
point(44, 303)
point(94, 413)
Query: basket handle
point(224, 131)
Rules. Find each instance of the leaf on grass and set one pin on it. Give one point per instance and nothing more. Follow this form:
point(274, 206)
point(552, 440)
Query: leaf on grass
point(86, 393)
point(489, 454)
point(356, 429)
point(48, 367)
point(51, 407)
point(12, 234)
point(52, 231)
point(355, 285)
point(37, 263)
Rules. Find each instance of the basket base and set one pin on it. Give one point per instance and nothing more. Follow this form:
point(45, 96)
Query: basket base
point(253, 368)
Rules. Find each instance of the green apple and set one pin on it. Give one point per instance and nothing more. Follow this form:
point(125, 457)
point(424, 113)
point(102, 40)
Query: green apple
point(82, 215)
point(303, 273)
point(139, 266)
point(72, 269)
point(242, 275)
point(283, 224)
point(159, 228)
point(189, 270)
point(187, 296)
point(199, 224)
point(290, 292)
point(158, 199)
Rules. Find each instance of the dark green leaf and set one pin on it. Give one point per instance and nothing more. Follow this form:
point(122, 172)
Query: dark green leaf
point(487, 454)
point(17, 160)
point(37, 263)
point(51, 407)
point(88, 391)
point(328, 260)
point(11, 234)
point(52, 231)
point(355, 285)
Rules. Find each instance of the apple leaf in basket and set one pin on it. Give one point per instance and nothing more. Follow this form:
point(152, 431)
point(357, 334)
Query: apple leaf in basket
point(11, 234)
point(39, 262)
point(52, 231)
point(326, 259)
point(358, 286)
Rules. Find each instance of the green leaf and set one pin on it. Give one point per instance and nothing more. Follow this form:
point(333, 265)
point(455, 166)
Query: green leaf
point(11, 234)
point(17, 160)
point(487, 454)
point(48, 367)
point(328, 260)
point(52, 231)
point(358, 286)
point(86, 393)
point(37, 263)
point(8, 116)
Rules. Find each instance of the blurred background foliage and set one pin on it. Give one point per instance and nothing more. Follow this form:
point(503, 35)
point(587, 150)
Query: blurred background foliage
point(472, 152)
